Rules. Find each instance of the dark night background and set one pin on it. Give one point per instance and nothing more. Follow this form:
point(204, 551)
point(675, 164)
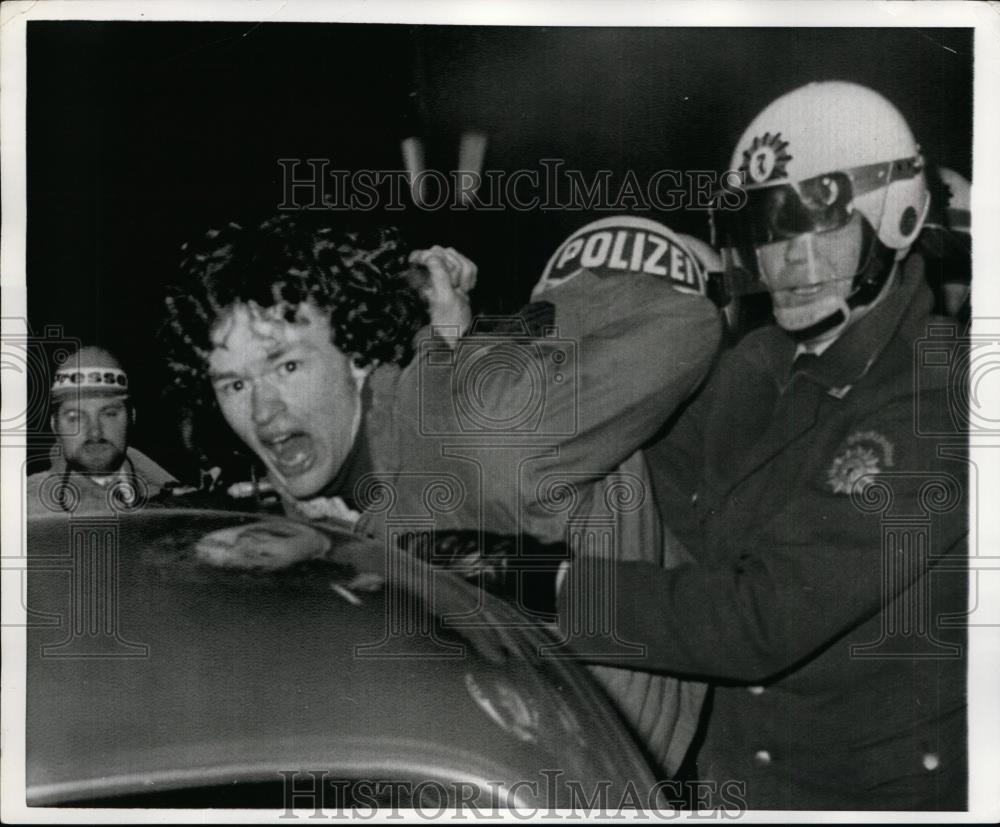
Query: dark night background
point(141, 135)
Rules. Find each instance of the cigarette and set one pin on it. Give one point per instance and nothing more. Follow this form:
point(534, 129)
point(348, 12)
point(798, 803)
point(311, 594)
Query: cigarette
point(350, 597)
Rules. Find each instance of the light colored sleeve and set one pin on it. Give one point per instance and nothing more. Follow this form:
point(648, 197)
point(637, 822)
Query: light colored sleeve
point(640, 349)
point(622, 356)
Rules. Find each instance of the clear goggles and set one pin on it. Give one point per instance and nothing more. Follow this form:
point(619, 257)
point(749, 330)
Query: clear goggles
point(816, 205)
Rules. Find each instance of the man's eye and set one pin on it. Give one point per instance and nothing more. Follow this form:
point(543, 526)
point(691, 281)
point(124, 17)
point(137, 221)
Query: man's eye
point(290, 366)
point(234, 386)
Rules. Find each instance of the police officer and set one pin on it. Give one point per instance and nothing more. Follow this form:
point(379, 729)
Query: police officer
point(810, 480)
point(93, 468)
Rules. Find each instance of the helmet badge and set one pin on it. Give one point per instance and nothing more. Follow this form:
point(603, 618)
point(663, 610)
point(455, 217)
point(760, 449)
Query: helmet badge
point(766, 158)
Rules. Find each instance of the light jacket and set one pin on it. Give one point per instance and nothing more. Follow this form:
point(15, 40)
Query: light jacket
point(59, 490)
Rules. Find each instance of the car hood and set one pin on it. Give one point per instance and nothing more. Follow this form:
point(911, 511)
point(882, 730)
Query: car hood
point(148, 669)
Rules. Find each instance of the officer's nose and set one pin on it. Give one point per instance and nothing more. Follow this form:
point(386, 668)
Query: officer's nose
point(266, 402)
point(797, 249)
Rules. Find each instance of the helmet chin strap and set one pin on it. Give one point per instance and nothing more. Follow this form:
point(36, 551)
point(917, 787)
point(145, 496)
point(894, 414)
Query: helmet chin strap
point(824, 325)
point(871, 278)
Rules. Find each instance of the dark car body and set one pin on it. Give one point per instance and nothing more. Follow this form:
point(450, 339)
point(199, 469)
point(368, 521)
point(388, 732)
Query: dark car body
point(154, 679)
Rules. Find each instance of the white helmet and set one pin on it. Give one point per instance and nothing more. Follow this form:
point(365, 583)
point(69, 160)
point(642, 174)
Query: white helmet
point(809, 161)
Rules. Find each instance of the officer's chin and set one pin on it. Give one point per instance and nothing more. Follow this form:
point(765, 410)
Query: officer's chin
point(830, 314)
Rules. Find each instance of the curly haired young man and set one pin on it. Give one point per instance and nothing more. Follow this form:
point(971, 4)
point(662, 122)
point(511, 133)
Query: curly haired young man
point(315, 346)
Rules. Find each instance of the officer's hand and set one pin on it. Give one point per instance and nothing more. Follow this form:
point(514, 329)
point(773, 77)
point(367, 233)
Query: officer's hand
point(451, 277)
point(509, 567)
point(485, 563)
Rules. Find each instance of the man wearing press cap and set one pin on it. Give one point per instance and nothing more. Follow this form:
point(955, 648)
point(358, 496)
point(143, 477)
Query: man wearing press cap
point(93, 470)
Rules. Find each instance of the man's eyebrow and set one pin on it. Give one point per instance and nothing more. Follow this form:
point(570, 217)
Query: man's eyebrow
point(216, 376)
point(281, 351)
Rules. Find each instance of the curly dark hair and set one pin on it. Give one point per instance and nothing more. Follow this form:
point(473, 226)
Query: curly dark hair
point(361, 278)
point(358, 277)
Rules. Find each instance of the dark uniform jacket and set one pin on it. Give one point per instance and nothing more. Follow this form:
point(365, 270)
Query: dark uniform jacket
point(825, 502)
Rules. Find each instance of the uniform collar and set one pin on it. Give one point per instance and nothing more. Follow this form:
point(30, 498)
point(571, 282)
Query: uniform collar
point(851, 356)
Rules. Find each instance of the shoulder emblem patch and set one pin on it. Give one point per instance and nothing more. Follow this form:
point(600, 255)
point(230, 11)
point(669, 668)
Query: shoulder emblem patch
point(863, 455)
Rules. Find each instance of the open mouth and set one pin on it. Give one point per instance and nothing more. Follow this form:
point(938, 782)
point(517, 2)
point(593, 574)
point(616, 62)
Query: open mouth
point(293, 452)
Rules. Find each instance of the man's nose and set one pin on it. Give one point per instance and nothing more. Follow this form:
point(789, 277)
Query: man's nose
point(266, 402)
point(92, 428)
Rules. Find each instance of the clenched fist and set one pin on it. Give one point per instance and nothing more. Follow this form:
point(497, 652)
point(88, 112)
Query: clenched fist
point(451, 277)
